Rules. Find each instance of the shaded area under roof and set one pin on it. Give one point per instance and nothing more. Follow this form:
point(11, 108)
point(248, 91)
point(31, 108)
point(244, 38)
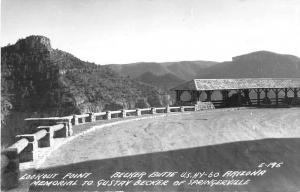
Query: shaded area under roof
point(247, 83)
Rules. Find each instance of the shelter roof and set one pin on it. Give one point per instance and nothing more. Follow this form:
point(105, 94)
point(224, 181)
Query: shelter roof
point(247, 83)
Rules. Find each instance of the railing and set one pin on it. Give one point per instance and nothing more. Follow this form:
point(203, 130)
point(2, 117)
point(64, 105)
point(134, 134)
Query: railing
point(52, 127)
point(20, 145)
point(92, 117)
point(46, 129)
point(220, 103)
point(25, 149)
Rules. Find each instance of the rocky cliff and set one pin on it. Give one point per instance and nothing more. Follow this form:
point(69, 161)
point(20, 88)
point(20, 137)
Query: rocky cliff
point(40, 81)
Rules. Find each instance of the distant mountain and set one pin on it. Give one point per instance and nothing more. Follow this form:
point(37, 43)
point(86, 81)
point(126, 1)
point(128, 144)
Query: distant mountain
point(260, 64)
point(185, 70)
point(164, 82)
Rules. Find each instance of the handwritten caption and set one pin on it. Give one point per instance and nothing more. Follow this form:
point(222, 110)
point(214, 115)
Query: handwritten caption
point(155, 178)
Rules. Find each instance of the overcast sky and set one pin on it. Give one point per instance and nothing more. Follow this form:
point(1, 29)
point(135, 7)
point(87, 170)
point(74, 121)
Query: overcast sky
point(124, 31)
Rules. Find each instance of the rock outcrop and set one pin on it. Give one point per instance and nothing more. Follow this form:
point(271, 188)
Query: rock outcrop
point(40, 81)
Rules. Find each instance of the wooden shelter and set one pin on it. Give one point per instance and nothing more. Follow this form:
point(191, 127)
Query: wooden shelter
point(247, 91)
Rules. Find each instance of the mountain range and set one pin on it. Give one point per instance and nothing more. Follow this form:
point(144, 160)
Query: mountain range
point(260, 64)
point(184, 70)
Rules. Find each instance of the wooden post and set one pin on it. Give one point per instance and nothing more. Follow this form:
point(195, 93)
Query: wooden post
point(70, 127)
point(46, 141)
point(266, 93)
point(247, 96)
point(208, 95)
point(75, 120)
point(194, 96)
point(195, 107)
point(123, 113)
point(83, 119)
point(286, 93)
point(108, 115)
point(295, 92)
point(168, 109)
point(224, 96)
point(177, 96)
point(276, 95)
point(239, 97)
point(64, 132)
point(181, 109)
point(258, 91)
point(28, 153)
point(153, 110)
point(198, 95)
point(92, 117)
point(138, 112)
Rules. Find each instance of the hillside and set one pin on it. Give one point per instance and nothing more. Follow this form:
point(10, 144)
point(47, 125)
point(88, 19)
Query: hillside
point(261, 64)
point(40, 81)
point(185, 70)
point(164, 82)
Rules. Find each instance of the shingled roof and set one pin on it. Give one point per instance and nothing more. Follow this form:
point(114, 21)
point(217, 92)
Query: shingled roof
point(249, 83)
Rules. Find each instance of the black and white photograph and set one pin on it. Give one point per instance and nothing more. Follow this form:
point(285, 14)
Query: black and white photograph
point(150, 95)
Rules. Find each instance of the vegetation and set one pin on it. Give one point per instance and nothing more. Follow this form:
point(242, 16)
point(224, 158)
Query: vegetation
point(40, 81)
